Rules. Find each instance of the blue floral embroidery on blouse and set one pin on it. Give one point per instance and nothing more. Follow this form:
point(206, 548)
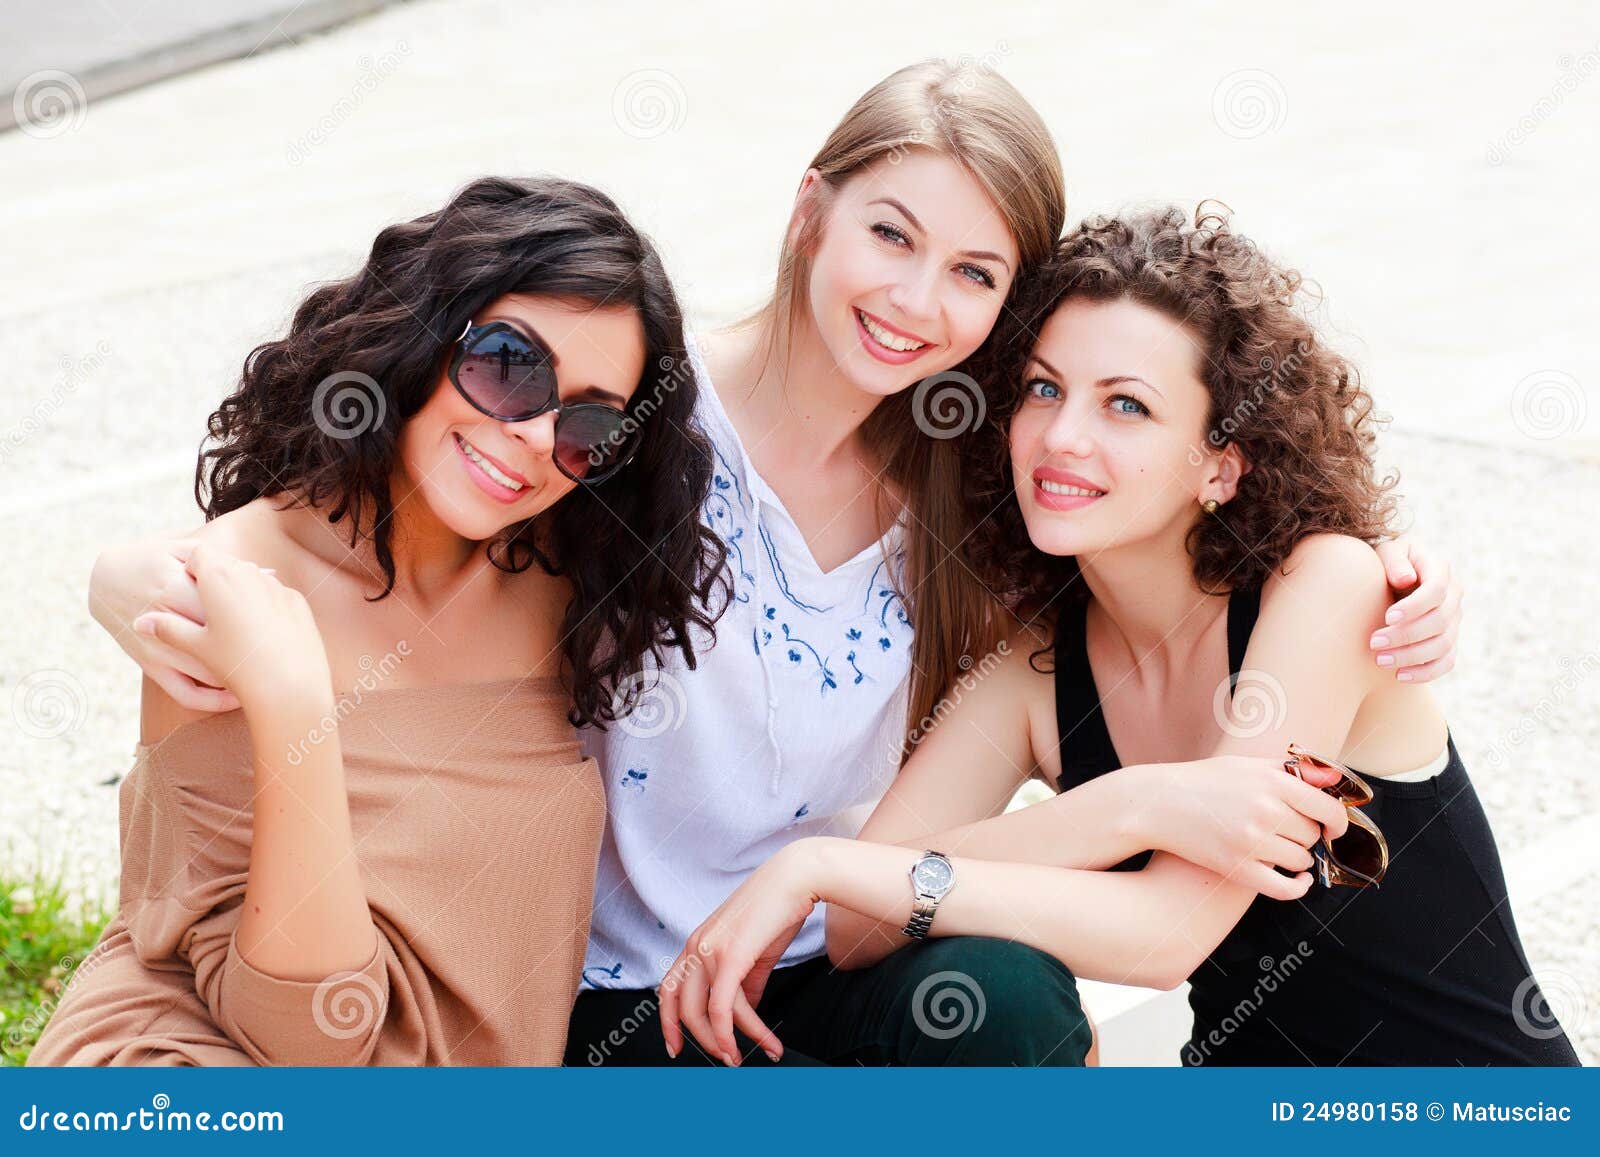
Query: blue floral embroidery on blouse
point(719, 515)
point(795, 643)
point(634, 780)
point(783, 579)
point(800, 814)
point(612, 973)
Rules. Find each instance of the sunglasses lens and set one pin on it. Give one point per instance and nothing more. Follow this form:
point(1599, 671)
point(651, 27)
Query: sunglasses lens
point(1359, 851)
point(505, 374)
point(591, 441)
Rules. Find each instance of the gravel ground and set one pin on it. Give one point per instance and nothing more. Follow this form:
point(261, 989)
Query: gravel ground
point(178, 226)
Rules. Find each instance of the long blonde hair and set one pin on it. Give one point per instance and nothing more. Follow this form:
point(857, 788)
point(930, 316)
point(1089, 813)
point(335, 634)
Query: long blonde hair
point(975, 117)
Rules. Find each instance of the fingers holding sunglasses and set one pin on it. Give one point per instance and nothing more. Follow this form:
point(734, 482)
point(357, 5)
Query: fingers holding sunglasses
point(1273, 884)
point(1318, 806)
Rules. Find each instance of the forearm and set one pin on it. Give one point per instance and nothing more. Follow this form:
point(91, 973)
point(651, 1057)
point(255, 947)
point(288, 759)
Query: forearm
point(305, 913)
point(1123, 927)
point(1093, 826)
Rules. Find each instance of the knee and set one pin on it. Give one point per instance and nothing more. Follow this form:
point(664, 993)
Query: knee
point(984, 1001)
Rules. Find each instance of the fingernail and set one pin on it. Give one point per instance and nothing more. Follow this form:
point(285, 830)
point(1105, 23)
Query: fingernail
point(672, 1052)
point(1409, 575)
point(145, 625)
point(1386, 660)
point(1405, 676)
point(1379, 642)
point(772, 1056)
point(1394, 616)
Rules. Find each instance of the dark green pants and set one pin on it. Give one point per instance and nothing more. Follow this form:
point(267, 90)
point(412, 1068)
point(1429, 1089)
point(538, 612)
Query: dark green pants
point(961, 1000)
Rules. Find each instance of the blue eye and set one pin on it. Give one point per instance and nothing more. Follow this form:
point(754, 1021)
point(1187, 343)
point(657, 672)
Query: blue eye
point(1044, 388)
point(977, 274)
point(1139, 408)
point(890, 234)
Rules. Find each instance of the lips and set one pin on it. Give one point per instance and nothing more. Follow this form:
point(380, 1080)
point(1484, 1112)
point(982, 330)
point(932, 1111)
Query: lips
point(878, 344)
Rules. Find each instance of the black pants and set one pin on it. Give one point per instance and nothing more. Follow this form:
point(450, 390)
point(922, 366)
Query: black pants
point(962, 1000)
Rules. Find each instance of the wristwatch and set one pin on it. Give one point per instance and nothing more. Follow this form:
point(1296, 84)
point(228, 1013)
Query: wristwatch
point(932, 878)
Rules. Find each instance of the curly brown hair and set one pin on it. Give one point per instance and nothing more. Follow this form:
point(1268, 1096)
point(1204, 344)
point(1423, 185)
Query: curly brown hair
point(1294, 406)
point(644, 570)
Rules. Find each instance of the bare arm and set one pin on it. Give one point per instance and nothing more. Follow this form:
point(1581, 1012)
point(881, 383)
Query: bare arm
point(1157, 925)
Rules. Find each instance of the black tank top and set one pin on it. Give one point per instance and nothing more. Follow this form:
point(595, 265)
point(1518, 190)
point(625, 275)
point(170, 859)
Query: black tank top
point(1428, 969)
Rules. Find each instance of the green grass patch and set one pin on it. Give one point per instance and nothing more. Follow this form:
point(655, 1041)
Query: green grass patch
point(44, 936)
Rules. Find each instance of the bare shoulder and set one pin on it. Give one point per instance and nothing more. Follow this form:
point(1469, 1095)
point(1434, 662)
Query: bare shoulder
point(266, 532)
point(1326, 565)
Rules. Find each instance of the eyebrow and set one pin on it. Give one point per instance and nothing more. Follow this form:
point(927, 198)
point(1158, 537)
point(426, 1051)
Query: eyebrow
point(1103, 383)
point(590, 391)
point(912, 217)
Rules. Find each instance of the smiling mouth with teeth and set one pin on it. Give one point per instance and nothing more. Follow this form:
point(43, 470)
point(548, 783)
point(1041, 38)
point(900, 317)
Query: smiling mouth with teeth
point(886, 339)
point(487, 466)
point(1073, 491)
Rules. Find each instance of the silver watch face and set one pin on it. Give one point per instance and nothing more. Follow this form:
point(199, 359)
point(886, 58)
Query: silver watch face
point(932, 876)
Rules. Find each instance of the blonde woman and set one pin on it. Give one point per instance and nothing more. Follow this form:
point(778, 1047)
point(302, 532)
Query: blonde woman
point(840, 510)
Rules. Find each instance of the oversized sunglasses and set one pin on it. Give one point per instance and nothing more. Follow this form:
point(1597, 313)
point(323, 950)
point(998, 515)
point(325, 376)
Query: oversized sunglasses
point(510, 375)
point(1360, 857)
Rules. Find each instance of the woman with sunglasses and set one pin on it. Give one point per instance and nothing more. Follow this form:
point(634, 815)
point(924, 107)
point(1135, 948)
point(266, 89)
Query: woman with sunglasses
point(839, 493)
point(1186, 498)
point(387, 855)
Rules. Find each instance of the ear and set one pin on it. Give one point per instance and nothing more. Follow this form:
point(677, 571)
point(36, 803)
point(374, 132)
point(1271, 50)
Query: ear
point(807, 199)
point(1226, 470)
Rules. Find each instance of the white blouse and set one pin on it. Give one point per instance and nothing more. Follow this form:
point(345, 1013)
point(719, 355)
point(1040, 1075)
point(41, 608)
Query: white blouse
point(790, 726)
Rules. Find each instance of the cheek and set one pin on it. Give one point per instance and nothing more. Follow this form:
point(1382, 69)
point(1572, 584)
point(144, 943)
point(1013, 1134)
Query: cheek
point(971, 316)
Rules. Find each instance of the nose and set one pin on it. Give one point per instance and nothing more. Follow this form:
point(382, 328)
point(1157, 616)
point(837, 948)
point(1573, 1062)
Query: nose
point(1069, 434)
point(918, 295)
point(538, 434)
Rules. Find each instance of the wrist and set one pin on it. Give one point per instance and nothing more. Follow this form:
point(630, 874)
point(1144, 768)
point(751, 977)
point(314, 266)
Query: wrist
point(1143, 815)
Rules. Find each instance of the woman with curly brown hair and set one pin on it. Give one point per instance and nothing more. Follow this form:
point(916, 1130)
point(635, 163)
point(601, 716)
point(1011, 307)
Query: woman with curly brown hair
point(1187, 501)
point(473, 460)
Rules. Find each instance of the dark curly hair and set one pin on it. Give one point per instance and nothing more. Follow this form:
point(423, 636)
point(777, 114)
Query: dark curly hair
point(1295, 407)
point(642, 566)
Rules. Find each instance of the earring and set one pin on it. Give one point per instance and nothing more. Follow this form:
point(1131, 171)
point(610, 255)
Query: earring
point(1209, 506)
